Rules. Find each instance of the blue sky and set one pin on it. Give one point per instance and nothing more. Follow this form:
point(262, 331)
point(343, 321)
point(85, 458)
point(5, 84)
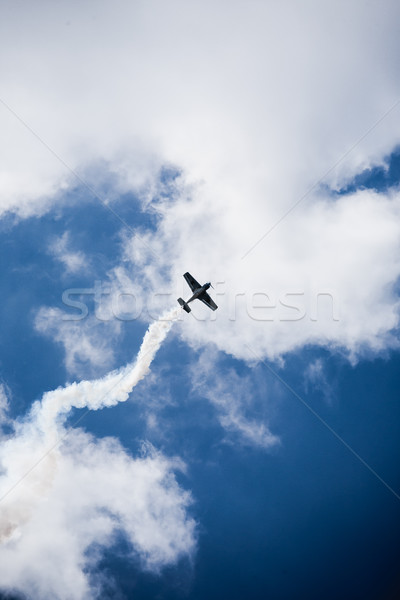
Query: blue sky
point(257, 456)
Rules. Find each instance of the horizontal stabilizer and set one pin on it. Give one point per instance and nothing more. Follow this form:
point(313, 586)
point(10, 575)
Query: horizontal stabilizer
point(184, 305)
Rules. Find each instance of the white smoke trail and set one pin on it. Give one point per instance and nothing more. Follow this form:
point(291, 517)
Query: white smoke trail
point(115, 387)
point(28, 460)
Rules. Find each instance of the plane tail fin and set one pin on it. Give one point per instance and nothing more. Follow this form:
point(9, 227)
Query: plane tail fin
point(184, 305)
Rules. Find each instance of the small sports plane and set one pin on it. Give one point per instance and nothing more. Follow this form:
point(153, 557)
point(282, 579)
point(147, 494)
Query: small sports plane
point(199, 293)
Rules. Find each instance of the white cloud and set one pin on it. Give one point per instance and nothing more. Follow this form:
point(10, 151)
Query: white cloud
point(325, 277)
point(258, 100)
point(73, 261)
point(96, 492)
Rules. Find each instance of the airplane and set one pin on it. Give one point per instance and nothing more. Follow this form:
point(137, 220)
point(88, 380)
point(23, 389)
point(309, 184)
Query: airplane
point(200, 293)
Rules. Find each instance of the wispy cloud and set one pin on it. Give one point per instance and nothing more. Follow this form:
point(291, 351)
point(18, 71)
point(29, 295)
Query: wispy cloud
point(315, 378)
point(88, 343)
point(231, 395)
point(4, 404)
point(73, 261)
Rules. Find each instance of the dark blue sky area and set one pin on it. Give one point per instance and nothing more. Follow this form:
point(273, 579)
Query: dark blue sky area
point(304, 520)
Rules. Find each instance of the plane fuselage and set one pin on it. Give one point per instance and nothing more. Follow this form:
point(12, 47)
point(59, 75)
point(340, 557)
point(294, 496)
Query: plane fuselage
point(198, 292)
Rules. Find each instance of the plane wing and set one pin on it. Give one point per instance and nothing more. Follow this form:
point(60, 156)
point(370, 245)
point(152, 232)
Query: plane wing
point(193, 284)
point(204, 297)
